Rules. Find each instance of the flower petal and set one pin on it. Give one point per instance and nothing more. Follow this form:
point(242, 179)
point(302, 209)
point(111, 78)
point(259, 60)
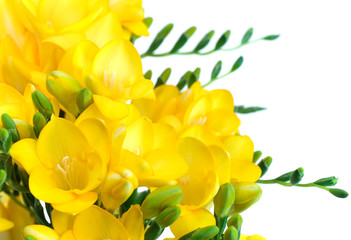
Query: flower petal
point(24, 153)
point(62, 222)
point(133, 222)
point(40, 232)
point(111, 109)
point(79, 204)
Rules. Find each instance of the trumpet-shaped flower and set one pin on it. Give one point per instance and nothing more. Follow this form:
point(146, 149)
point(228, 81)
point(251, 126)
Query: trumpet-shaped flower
point(66, 164)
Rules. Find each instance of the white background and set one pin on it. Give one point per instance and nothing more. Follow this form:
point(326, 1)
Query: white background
point(302, 79)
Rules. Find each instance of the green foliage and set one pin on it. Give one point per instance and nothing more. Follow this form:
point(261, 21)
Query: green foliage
point(247, 36)
point(163, 78)
point(244, 110)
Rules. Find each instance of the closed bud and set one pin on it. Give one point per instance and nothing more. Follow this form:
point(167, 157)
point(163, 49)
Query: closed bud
point(231, 234)
point(5, 139)
point(39, 123)
point(39, 232)
point(30, 238)
point(296, 176)
point(43, 104)
point(204, 233)
point(264, 165)
point(10, 125)
point(84, 99)
point(246, 194)
point(65, 89)
point(168, 216)
point(160, 199)
point(3, 177)
point(117, 188)
point(338, 192)
point(24, 129)
point(236, 221)
point(329, 181)
point(285, 177)
point(256, 156)
point(224, 200)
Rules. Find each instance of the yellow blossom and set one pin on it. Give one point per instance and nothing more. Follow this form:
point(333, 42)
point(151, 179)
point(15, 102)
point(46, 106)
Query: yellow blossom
point(252, 237)
point(65, 171)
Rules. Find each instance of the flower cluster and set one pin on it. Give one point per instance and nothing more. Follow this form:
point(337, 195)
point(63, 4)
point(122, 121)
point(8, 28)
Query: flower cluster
point(91, 150)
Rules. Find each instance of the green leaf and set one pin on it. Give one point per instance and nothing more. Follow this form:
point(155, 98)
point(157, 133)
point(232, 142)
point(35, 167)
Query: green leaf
point(148, 74)
point(3, 177)
point(271, 37)
point(222, 40)
point(216, 70)
point(162, 79)
point(184, 80)
point(237, 64)
point(244, 110)
point(160, 37)
point(183, 39)
point(204, 41)
point(247, 36)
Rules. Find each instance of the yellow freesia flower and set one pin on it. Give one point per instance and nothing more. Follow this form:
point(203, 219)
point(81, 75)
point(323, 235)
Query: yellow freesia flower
point(65, 171)
point(252, 237)
point(92, 223)
point(12, 219)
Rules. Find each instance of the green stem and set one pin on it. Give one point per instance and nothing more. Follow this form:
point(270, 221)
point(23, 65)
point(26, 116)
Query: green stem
point(146, 54)
point(287, 184)
point(211, 81)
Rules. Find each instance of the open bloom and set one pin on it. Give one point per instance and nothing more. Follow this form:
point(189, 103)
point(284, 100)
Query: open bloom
point(65, 171)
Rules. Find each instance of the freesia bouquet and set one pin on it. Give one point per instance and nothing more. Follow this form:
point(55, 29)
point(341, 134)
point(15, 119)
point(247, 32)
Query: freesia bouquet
point(91, 148)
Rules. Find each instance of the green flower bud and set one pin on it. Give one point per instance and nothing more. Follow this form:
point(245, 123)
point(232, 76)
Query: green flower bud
point(338, 192)
point(160, 199)
point(285, 177)
point(154, 231)
point(10, 125)
point(24, 129)
point(329, 181)
point(39, 123)
point(43, 104)
point(236, 221)
point(224, 200)
point(256, 156)
point(84, 99)
point(65, 89)
point(231, 234)
point(168, 216)
point(264, 165)
point(5, 139)
point(204, 233)
point(246, 194)
point(297, 176)
point(30, 238)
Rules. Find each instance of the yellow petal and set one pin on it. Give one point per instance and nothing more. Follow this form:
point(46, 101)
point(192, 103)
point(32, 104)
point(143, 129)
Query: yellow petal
point(191, 219)
point(105, 29)
point(252, 237)
point(222, 163)
point(139, 136)
point(5, 225)
point(79, 204)
point(25, 130)
point(245, 171)
point(111, 109)
point(197, 111)
point(43, 186)
point(203, 134)
point(240, 148)
point(68, 236)
point(97, 136)
point(96, 223)
point(222, 99)
point(137, 27)
point(59, 139)
point(223, 121)
point(165, 136)
point(133, 222)
point(118, 64)
point(117, 141)
point(136, 164)
point(40, 232)
point(62, 222)
point(24, 153)
point(65, 41)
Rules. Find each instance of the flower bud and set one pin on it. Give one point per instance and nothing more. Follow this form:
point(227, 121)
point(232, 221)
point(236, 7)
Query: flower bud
point(168, 216)
point(224, 200)
point(117, 188)
point(204, 233)
point(297, 176)
point(84, 99)
point(285, 177)
point(3, 177)
point(43, 104)
point(329, 181)
point(30, 238)
point(10, 125)
point(5, 140)
point(39, 123)
point(236, 221)
point(160, 199)
point(65, 89)
point(246, 194)
point(264, 165)
point(231, 234)
point(338, 192)
point(256, 156)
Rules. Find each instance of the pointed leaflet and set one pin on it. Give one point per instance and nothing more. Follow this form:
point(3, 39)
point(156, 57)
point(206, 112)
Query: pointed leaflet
point(247, 36)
